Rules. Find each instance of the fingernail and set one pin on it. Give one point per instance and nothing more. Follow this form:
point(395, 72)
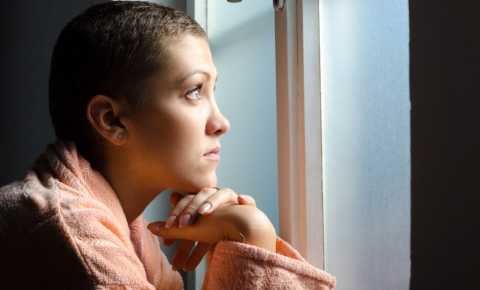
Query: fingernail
point(205, 207)
point(184, 219)
point(170, 221)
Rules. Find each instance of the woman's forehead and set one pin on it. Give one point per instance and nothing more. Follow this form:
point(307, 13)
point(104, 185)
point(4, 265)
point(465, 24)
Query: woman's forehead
point(188, 56)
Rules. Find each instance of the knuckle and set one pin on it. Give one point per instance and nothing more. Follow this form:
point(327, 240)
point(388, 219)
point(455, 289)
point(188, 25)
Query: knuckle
point(181, 206)
point(190, 209)
point(231, 192)
point(185, 200)
point(203, 194)
point(224, 197)
point(228, 189)
point(230, 195)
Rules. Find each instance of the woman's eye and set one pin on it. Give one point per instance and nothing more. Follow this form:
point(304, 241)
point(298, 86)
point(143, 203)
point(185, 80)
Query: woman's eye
point(194, 94)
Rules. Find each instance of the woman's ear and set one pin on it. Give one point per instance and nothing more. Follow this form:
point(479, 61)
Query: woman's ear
point(104, 114)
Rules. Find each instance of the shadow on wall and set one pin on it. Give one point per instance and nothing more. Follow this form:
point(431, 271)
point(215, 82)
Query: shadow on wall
point(28, 32)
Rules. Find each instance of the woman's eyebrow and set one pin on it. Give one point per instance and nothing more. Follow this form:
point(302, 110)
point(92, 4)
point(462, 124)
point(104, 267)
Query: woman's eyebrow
point(198, 71)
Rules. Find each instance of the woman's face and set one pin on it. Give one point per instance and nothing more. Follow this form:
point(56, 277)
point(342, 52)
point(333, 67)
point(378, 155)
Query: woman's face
point(180, 122)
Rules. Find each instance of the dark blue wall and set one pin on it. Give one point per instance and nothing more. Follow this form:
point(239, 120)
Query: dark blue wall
point(28, 33)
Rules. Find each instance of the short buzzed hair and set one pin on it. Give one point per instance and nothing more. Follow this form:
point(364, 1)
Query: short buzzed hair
point(110, 49)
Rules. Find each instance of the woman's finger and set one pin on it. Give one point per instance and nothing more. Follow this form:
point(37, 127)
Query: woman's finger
point(196, 257)
point(179, 207)
point(226, 223)
point(189, 211)
point(181, 255)
point(246, 199)
point(175, 197)
point(224, 196)
point(206, 229)
point(185, 233)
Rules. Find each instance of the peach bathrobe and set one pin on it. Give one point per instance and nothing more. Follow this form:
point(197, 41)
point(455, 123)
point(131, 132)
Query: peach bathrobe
point(62, 227)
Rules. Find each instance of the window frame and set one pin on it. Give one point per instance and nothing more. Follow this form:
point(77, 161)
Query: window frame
point(299, 136)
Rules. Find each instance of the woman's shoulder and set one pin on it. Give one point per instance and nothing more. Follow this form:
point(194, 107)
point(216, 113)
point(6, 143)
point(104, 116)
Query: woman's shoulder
point(57, 223)
point(37, 201)
point(25, 202)
point(33, 243)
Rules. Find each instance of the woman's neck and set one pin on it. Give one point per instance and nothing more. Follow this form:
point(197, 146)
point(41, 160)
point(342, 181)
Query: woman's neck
point(133, 194)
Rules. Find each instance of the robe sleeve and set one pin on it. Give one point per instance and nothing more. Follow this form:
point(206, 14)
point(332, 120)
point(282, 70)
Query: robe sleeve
point(235, 265)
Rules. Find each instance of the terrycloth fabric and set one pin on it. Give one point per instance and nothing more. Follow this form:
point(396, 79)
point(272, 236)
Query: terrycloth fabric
point(63, 227)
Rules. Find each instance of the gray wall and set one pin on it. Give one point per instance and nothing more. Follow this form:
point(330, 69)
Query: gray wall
point(28, 33)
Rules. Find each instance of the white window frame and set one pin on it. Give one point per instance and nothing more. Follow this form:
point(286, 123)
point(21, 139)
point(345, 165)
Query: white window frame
point(299, 115)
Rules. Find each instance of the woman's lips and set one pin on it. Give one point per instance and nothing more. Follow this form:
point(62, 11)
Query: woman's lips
point(212, 156)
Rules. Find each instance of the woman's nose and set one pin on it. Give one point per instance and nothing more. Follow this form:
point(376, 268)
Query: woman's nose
point(218, 124)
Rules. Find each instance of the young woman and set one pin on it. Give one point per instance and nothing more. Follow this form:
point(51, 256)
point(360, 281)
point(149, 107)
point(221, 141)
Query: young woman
point(132, 103)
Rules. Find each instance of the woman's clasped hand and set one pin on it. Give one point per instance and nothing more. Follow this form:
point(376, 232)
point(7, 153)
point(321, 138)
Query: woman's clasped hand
point(209, 216)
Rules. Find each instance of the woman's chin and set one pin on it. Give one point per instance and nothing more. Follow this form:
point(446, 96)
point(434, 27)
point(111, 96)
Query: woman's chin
point(194, 186)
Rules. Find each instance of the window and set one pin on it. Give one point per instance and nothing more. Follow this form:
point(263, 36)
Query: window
point(344, 138)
